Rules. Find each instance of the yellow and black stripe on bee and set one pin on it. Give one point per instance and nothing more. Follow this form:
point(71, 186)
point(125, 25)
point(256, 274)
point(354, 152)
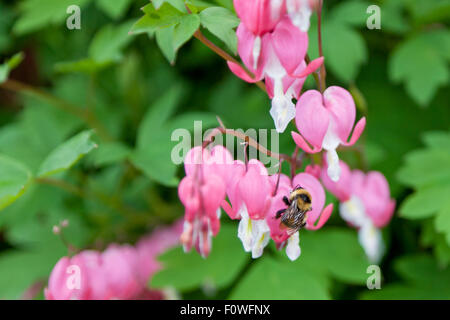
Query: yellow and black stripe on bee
point(293, 218)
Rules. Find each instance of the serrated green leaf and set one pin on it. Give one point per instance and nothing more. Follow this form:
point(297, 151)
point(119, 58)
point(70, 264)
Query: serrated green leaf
point(221, 22)
point(14, 179)
point(419, 63)
point(67, 154)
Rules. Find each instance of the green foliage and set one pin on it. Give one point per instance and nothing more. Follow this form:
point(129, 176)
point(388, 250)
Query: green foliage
point(189, 271)
point(10, 64)
point(221, 22)
point(432, 189)
point(105, 79)
point(36, 14)
point(67, 154)
point(423, 280)
point(15, 178)
point(422, 63)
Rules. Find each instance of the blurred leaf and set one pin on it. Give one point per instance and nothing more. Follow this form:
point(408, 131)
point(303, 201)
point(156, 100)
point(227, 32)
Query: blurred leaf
point(36, 14)
point(178, 4)
point(115, 9)
point(393, 18)
point(67, 154)
point(344, 48)
point(428, 171)
point(221, 22)
point(109, 41)
point(422, 280)
point(109, 153)
point(335, 251)
point(187, 271)
point(10, 64)
point(19, 269)
point(351, 12)
point(14, 179)
point(429, 11)
point(420, 63)
point(272, 279)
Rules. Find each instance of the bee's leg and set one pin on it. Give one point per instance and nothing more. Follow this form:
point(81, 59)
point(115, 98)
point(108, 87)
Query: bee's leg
point(279, 213)
point(302, 225)
point(286, 201)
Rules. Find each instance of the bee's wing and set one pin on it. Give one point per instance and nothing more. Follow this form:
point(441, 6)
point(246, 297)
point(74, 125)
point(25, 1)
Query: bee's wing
point(289, 231)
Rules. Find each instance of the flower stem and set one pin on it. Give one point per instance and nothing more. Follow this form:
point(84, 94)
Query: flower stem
point(200, 36)
point(322, 72)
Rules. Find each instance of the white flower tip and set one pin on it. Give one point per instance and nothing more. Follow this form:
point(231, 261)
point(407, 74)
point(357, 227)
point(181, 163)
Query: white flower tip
point(334, 169)
point(293, 249)
point(256, 51)
point(282, 112)
point(372, 241)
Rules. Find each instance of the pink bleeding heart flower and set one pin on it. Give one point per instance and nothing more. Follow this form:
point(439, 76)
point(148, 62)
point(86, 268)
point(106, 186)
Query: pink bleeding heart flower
point(326, 121)
point(120, 266)
point(154, 244)
point(258, 17)
point(201, 192)
point(235, 173)
point(316, 218)
point(255, 192)
point(78, 278)
point(365, 204)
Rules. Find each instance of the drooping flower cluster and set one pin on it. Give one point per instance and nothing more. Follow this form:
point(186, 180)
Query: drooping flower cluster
point(212, 177)
point(272, 43)
point(365, 204)
point(119, 272)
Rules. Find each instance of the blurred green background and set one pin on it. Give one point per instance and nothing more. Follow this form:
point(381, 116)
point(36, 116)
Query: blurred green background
point(121, 85)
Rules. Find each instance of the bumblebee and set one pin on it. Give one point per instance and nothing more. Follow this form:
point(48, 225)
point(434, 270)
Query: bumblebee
point(293, 218)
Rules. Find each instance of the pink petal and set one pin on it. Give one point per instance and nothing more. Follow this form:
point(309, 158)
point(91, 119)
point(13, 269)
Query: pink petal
point(340, 104)
point(312, 118)
point(290, 44)
point(343, 187)
point(359, 128)
point(194, 159)
point(301, 143)
point(255, 189)
point(326, 213)
point(310, 68)
point(240, 72)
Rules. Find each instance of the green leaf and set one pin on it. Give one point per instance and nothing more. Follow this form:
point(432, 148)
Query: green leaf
point(67, 154)
point(14, 179)
point(109, 153)
point(178, 4)
point(352, 12)
point(187, 271)
point(344, 49)
point(10, 64)
point(272, 279)
point(115, 9)
point(171, 38)
point(36, 14)
point(428, 171)
point(154, 19)
point(109, 41)
point(221, 22)
point(157, 115)
point(20, 269)
point(420, 63)
point(345, 259)
point(423, 279)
